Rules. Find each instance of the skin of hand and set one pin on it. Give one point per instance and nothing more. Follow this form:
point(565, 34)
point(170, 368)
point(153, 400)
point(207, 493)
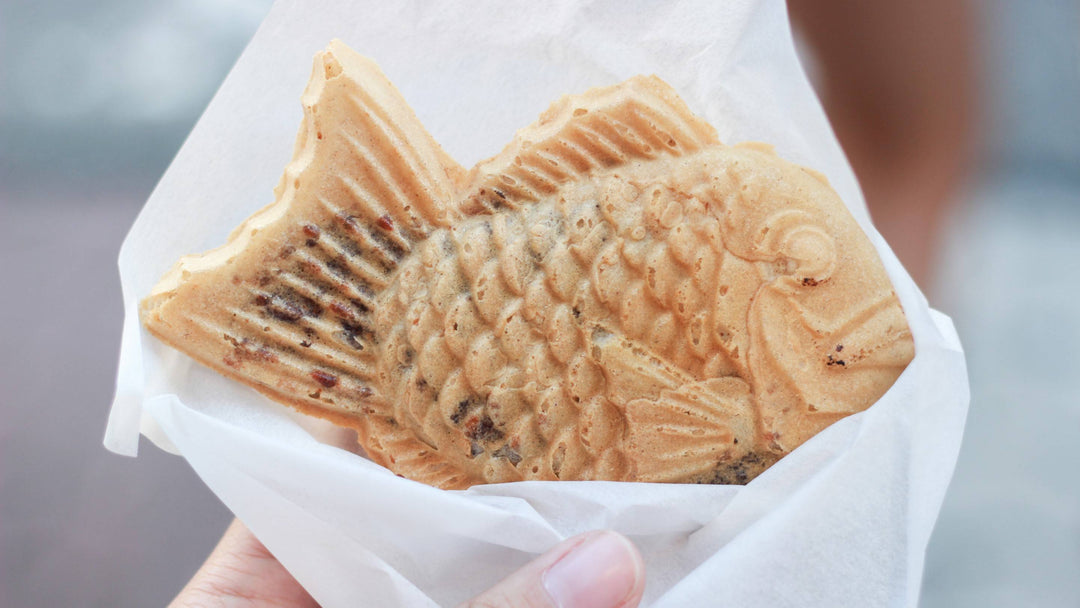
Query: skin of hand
point(600, 569)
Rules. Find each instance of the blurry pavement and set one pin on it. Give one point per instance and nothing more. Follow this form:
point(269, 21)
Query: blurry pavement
point(1009, 531)
point(95, 99)
point(80, 526)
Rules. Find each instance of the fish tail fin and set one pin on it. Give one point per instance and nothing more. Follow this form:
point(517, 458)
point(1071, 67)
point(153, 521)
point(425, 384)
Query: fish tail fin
point(384, 184)
point(386, 163)
point(640, 118)
point(287, 305)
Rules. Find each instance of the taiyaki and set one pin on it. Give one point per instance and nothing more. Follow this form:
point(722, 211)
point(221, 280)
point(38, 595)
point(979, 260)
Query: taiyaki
point(615, 296)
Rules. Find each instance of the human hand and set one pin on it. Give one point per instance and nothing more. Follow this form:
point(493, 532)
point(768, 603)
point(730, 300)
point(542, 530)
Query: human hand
point(241, 572)
point(600, 569)
point(593, 570)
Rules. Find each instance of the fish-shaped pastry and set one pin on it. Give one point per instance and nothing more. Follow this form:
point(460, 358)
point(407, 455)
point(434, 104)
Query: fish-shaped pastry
point(616, 295)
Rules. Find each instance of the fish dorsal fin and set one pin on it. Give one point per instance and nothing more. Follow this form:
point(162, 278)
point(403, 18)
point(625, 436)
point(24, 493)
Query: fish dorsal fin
point(286, 305)
point(605, 127)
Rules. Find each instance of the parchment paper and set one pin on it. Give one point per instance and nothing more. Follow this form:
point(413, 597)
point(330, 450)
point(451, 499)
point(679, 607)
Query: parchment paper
point(842, 521)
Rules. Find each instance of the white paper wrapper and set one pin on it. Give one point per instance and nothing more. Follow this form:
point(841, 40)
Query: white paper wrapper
point(842, 521)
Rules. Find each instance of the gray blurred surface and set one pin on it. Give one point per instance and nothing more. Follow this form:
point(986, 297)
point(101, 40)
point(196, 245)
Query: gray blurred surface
point(80, 526)
point(1009, 531)
point(95, 98)
point(108, 89)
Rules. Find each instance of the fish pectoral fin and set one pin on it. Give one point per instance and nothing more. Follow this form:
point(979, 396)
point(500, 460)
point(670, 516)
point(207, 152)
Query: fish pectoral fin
point(640, 118)
point(700, 432)
point(679, 429)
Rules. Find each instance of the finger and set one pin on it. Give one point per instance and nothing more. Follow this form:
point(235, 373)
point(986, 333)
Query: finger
point(594, 570)
point(242, 572)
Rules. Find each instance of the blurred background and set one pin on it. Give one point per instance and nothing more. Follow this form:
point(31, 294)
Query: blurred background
point(962, 120)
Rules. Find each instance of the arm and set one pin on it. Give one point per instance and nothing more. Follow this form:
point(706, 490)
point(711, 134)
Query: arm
point(898, 84)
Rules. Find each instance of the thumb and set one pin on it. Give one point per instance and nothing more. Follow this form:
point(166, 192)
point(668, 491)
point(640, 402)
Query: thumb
point(593, 570)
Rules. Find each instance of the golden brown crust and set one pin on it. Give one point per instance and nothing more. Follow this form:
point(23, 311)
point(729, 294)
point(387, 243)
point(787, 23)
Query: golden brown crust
point(614, 296)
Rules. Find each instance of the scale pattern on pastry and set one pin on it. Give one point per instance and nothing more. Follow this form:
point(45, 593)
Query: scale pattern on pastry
point(616, 295)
